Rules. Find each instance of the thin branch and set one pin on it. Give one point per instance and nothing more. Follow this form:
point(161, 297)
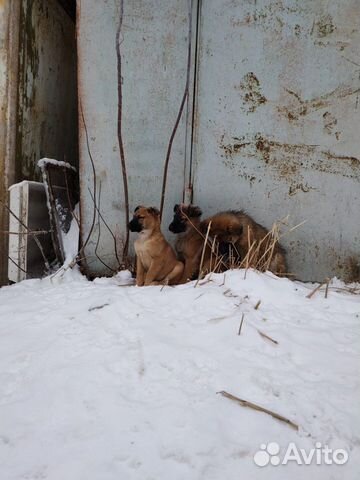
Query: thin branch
point(267, 337)
point(327, 287)
point(107, 226)
point(82, 249)
point(315, 290)
point(257, 305)
point(178, 118)
point(245, 403)
point(241, 323)
point(119, 130)
point(17, 265)
point(33, 232)
point(99, 233)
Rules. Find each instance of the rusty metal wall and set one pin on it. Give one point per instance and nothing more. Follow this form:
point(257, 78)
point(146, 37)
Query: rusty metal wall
point(153, 40)
point(4, 28)
point(9, 41)
point(38, 94)
point(277, 123)
point(47, 111)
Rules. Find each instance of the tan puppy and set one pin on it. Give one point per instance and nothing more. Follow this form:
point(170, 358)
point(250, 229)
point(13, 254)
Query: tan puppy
point(156, 260)
point(190, 242)
point(238, 230)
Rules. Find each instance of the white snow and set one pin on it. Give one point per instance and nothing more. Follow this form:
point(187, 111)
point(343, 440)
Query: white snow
point(101, 381)
point(70, 241)
point(51, 161)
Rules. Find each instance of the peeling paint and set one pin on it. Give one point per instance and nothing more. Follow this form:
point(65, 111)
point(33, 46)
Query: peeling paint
point(298, 107)
point(250, 91)
point(324, 26)
point(287, 160)
point(330, 123)
point(300, 187)
point(4, 26)
point(269, 17)
point(351, 268)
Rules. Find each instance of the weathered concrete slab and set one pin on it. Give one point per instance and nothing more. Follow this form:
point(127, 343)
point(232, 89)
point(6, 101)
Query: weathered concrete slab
point(277, 122)
point(154, 41)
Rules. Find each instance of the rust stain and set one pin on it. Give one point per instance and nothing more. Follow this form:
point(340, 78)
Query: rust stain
point(351, 269)
point(297, 107)
point(287, 161)
point(330, 122)
point(250, 91)
point(299, 187)
point(324, 26)
point(270, 18)
point(297, 30)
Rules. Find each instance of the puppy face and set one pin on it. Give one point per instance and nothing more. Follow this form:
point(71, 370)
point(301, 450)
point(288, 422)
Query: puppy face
point(145, 218)
point(182, 214)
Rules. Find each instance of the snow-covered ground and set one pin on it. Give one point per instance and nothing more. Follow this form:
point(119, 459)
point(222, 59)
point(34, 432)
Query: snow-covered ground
point(101, 381)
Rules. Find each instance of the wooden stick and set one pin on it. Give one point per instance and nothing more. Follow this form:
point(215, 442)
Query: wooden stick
point(99, 307)
point(262, 334)
point(315, 290)
point(245, 403)
point(327, 287)
point(241, 323)
point(33, 232)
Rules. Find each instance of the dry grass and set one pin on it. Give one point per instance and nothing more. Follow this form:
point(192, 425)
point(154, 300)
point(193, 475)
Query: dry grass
point(254, 406)
point(259, 253)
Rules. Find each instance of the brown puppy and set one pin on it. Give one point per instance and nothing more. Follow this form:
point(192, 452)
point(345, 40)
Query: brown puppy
point(156, 260)
point(190, 241)
point(238, 230)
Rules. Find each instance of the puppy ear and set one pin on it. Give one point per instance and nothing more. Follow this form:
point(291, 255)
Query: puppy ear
point(137, 208)
point(154, 211)
point(176, 207)
point(194, 212)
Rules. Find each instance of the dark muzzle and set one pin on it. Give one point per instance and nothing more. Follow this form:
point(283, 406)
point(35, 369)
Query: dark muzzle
point(135, 226)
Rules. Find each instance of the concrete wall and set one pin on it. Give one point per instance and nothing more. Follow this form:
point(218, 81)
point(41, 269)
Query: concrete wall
point(154, 41)
point(277, 123)
point(275, 128)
